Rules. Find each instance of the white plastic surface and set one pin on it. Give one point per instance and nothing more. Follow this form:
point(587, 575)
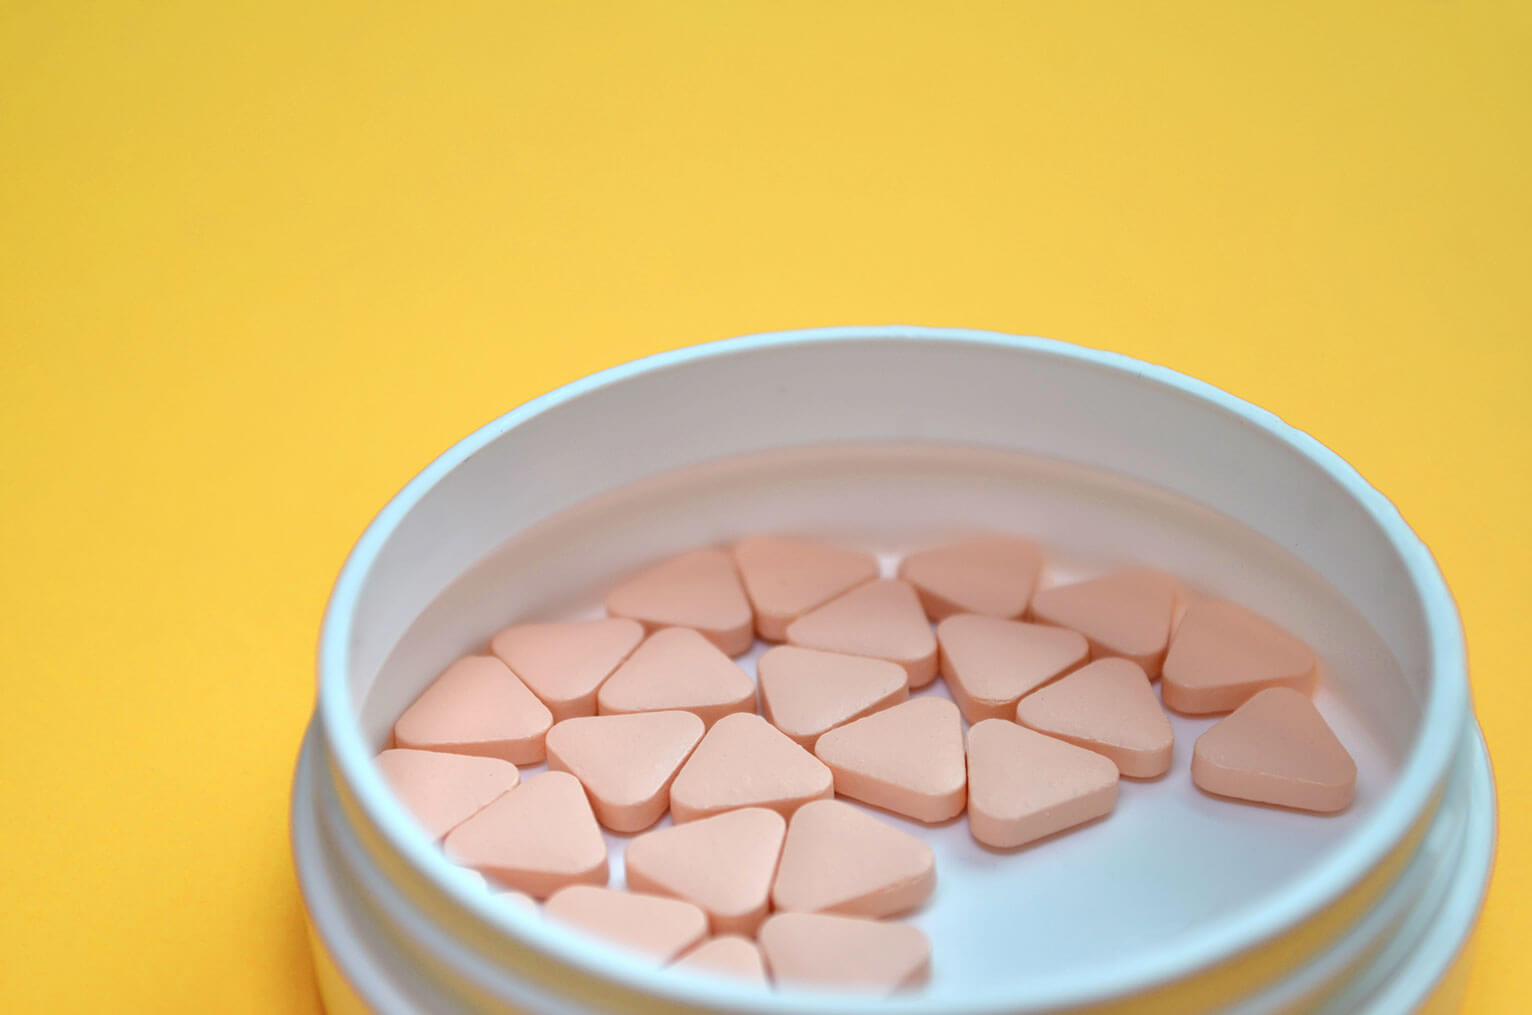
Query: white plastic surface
point(1170, 859)
point(1103, 459)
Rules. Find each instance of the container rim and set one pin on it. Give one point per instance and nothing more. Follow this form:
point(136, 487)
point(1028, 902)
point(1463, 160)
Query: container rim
point(1445, 712)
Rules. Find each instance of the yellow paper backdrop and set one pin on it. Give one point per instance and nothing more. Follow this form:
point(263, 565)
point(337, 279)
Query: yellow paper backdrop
point(260, 262)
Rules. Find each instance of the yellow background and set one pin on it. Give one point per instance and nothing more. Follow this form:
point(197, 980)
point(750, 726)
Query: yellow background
point(259, 263)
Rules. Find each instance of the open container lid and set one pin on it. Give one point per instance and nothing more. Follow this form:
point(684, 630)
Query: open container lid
point(1153, 445)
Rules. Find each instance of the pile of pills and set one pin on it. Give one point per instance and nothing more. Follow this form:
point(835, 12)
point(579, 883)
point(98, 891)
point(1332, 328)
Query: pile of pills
point(767, 872)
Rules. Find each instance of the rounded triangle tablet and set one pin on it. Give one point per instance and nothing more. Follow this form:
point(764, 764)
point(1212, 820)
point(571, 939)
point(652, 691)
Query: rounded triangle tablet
point(677, 669)
point(625, 762)
point(477, 706)
point(470, 879)
point(1127, 614)
point(882, 619)
point(1276, 749)
point(723, 864)
point(698, 590)
point(785, 577)
point(729, 956)
point(840, 859)
point(444, 790)
point(1023, 785)
point(565, 663)
point(825, 952)
point(538, 838)
point(907, 759)
point(993, 576)
point(654, 927)
point(744, 761)
point(805, 692)
point(990, 663)
point(1109, 707)
point(519, 900)
point(1223, 654)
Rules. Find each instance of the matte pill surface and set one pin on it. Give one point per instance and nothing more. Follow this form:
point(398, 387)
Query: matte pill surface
point(538, 838)
point(764, 876)
point(444, 790)
point(655, 927)
point(744, 761)
point(625, 762)
point(698, 590)
point(1109, 707)
point(805, 692)
point(1276, 749)
point(907, 759)
point(882, 619)
point(840, 859)
point(729, 956)
point(565, 663)
point(1223, 654)
point(1127, 614)
point(993, 576)
point(825, 952)
point(677, 668)
point(1023, 785)
point(471, 878)
point(477, 706)
point(723, 864)
point(518, 900)
point(784, 578)
point(989, 663)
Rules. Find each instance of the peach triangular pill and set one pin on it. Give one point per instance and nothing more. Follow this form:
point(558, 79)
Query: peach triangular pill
point(907, 759)
point(1023, 785)
point(840, 859)
point(625, 762)
point(444, 790)
point(1109, 707)
point(698, 590)
point(1223, 654)
point(805, 692)
point(654, 927)
point(538, 838)
point(744, 761)
point(565, 663)
point(786, 578)
point(518, 900)
point(1127, 614)
point(723, 864)
point(678, 669)
point(990, 663)
point(993, 576)
point(470, 879)
point(729, 956)
point(1276, 749)
point(477, 706)
point(825, 952)
point(882, 619)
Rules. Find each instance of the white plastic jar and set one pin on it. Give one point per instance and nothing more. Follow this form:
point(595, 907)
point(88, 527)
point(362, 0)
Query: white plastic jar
point(900, 433)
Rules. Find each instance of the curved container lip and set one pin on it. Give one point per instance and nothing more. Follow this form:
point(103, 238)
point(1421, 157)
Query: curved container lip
point(1445, 716)
point(1412, 953)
